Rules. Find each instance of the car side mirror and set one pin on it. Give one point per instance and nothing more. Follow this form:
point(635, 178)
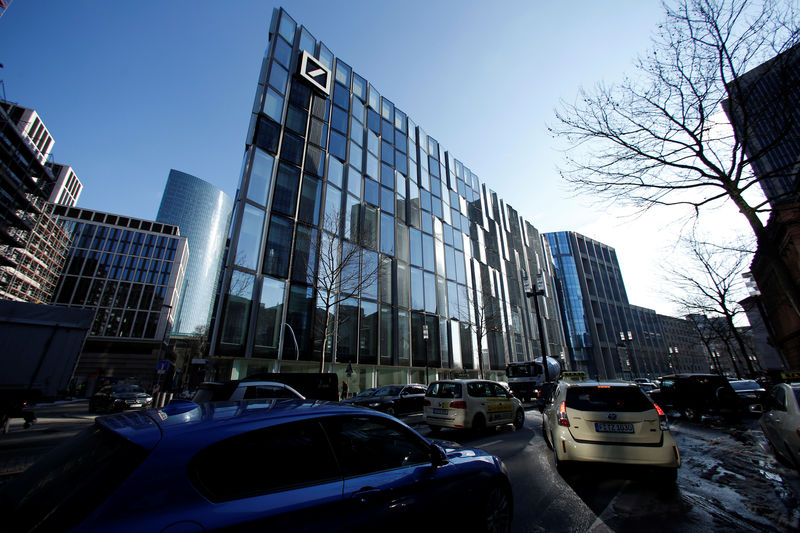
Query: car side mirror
point(438, 455)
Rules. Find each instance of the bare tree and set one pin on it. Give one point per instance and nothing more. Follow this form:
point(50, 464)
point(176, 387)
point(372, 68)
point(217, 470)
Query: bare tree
point(660, 138)
point(481, 313)
point(339, 270)
point(711, 285)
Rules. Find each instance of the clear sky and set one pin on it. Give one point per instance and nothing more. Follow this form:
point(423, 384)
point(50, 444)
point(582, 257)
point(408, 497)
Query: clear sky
point(130, 90)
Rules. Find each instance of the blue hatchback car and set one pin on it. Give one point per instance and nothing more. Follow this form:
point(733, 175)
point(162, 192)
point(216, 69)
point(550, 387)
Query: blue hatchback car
point(259, 465)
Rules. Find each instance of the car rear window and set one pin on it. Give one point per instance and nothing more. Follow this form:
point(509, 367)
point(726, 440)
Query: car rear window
point(745, 385)
point(444, 389)
point(620, 399)
point(61, 489)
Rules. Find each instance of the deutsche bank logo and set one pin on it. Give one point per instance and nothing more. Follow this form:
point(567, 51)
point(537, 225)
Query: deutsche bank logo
point(315, 73)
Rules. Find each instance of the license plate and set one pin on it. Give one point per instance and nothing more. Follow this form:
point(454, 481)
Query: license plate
point(135, 405)
point(440, 411)
point(613, 428)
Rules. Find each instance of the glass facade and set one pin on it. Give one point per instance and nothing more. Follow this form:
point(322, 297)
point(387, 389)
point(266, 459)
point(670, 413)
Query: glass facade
point(126, 269)
point(202, 212)
point(444, 249)
point(607, 337)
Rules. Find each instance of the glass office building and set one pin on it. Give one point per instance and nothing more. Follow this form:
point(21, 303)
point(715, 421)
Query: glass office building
point(607, 337)
point(129, 271)
point(202, 212)
point(324, 144)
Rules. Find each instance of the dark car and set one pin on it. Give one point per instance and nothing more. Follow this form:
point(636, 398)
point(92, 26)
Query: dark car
point(396, 399)
point(695, 395)
point(113, 398)
point(752, 395)
point(257, 465)
point(364, 394)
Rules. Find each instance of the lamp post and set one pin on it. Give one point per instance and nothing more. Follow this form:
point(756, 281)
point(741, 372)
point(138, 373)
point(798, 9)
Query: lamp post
point(425, 339)
point(535, 292)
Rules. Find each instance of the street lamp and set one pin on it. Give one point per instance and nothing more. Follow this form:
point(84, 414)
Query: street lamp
point(425, 339)
point(535, 292)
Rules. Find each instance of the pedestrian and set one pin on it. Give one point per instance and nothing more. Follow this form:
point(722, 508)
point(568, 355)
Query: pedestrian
point(344, 390)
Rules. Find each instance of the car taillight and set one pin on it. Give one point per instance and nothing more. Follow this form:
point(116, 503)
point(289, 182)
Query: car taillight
point(663, 423)
point(562, 415)
point(458, 405)
point(426, 402)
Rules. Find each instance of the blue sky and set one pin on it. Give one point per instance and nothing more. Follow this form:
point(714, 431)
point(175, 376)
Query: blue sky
point(130, 90)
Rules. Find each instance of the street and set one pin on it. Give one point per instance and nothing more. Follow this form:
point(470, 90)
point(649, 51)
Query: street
point(729, 480)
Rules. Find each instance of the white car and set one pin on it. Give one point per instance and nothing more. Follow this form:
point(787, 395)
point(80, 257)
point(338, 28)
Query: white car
point(211, 391)
point(781, 422)
point(470, 404)
point(608, 422)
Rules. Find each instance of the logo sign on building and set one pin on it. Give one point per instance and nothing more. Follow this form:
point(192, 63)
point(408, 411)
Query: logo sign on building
point(315, 73)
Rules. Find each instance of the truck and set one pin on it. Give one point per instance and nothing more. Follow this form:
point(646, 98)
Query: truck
point(40, 349)
point(526, 378)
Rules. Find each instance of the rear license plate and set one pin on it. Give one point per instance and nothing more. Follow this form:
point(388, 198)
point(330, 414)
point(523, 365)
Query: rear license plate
point(613, 428)
point(440, 411)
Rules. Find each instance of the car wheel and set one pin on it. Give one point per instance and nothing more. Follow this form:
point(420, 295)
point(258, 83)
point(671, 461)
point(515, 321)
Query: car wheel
point(479, 423)
point(669, 475)
point(498, 510)
point(519, 419)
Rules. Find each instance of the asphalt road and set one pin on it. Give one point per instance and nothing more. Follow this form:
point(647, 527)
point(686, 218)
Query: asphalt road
point(729, 480)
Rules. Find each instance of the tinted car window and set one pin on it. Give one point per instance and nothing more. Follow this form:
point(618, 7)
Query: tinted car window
point(370, 444)
point(213, 392)
point(620, 399)
point(388, 391)
point(444, 390)
point(61, 489)
point(477, 390)
point(496, 390)
point(267, 460)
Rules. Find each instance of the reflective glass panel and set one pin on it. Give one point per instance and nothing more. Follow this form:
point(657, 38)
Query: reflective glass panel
point(286, 186)
point(278, 249)
point(387, 234)
point(260, 177)
point(269, 317)
point(249, 241)
point(273, 105)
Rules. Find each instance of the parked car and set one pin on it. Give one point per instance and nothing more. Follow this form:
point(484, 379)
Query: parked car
point(608, 422)
point(113, 398)
point(366, 393)
point(212, 391)
point(395, 399)
point(781, 422)
point(752, 395)
point(695, 395)
point(257, 465)
point(471, 404)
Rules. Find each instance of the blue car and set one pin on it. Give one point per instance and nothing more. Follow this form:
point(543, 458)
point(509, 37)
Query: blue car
point(258, 465)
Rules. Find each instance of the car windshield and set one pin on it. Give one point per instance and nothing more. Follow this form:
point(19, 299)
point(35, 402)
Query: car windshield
point(388, 391)
point(607, 398)
point(745, 385)
point(444, 390)
point(126, 388)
